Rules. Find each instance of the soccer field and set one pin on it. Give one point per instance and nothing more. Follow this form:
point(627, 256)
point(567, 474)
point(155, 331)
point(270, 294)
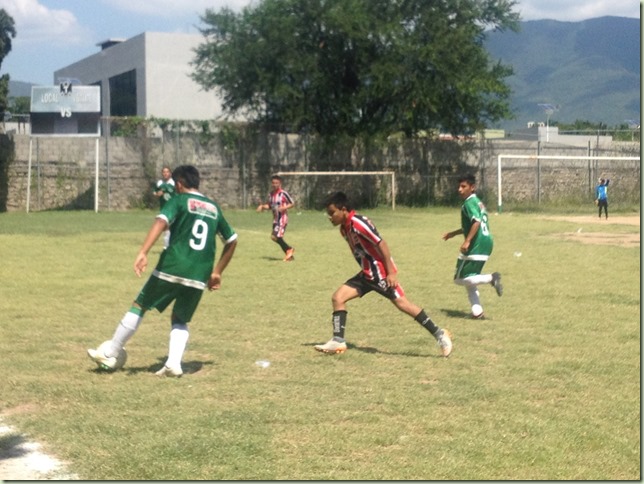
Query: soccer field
point(547, 387)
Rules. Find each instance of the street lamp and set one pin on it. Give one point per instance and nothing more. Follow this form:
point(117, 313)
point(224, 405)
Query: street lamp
point(549, 109)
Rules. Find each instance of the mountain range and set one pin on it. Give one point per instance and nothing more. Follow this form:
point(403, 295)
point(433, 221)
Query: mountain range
point(589, 70)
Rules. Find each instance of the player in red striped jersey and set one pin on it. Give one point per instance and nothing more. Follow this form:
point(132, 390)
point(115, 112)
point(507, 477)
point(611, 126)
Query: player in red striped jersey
point(379, 274)
point(279, 201)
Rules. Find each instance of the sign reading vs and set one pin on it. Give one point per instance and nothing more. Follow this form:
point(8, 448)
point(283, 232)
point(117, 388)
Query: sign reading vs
point(65, 110)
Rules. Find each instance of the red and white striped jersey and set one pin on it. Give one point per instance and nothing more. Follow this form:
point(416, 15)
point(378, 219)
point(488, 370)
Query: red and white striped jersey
point(275, 200)
point(363, 239)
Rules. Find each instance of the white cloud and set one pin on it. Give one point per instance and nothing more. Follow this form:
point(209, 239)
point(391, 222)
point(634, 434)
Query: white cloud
point(170, 8)
point(36, 23)
point(568, 10)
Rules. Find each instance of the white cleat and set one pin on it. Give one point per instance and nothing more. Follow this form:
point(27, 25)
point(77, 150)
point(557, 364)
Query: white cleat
point(172, 372)
point(332, 346)
point(444, 339)
point(104, 363)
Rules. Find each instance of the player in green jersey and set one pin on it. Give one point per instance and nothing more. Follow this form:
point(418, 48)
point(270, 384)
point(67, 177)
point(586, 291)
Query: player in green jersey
point(184, 270)
point(164, 190)
point(477, 246)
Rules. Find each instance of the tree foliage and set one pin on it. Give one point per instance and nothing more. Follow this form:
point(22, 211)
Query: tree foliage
point(7, 32)
point(19, 104)
point(358, 67)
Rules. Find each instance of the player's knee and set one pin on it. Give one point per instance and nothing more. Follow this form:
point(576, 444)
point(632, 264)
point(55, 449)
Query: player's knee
point(403, 305)
point(177, 321)
point(338, 299)
point(410, 308)
point(274, 237)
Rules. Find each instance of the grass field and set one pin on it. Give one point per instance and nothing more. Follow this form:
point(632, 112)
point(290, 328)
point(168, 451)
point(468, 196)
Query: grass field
point(546, 388)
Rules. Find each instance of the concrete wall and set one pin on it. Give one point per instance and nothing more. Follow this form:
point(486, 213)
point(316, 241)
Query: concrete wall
point(238, 175)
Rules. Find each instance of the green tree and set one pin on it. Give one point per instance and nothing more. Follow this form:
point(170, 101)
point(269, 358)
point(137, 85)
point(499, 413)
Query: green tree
point(7, 32)
point(358, 67)
point(19, 104)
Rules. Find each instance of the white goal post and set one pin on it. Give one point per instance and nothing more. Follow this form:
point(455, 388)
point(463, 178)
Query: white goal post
point(546, 157)
point(392, 174)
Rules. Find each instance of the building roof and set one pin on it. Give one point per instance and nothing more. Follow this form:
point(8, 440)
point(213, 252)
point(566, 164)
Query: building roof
point(107, 43)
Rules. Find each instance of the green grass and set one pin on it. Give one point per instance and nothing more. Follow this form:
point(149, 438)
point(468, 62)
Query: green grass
point(547, 387)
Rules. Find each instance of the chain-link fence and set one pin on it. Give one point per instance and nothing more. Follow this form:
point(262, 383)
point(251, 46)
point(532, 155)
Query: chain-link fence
point(237, 161)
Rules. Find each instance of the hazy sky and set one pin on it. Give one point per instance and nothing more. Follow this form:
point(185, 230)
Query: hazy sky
point(51, 34)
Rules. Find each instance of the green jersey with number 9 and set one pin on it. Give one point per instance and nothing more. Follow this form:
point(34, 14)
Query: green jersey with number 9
point(474, 210)
point(194, 221)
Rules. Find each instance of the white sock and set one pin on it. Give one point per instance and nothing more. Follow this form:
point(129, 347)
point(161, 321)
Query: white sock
point(480, 279)
point(124, 331)
point(475, 300)
point(473, 295)
point(178, 340)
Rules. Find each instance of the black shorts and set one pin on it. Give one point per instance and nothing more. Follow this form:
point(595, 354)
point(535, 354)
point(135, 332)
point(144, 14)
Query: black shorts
point(364, 286)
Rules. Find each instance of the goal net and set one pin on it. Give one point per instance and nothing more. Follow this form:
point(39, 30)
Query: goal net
point(524, 180)
point(367, 189)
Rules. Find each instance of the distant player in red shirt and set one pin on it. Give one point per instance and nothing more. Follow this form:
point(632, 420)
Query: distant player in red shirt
point(379, 274)
point(279, 201)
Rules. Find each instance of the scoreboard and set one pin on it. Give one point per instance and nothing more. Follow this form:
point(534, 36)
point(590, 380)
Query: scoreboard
point(65, 110)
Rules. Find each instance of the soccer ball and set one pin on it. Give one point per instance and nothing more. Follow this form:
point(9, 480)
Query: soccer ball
point(121, 358)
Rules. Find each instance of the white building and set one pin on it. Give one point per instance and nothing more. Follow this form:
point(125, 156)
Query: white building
point(147, 75)
point(550, 134)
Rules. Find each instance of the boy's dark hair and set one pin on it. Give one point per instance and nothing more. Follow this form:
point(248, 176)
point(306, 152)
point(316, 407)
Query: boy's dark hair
point(276, 177)
point(339, 199)
point(469, 178)
point(188, 175)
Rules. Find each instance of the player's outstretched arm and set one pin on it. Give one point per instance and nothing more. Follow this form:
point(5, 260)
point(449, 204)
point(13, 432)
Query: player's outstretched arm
point(387, 260)
point(453, 233)
point(214, 282)
point(470, 236)
point(141, 261)
point(286, 207)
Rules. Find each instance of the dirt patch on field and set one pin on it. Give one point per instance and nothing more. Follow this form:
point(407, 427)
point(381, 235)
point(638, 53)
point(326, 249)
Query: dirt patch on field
point(600, 238)
point(595, 220)
point(24, 460)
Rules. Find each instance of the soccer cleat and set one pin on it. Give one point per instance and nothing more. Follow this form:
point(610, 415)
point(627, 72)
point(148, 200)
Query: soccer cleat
point(444, 339)
point(289, 255)
point(496, 283)
point(103, 362)
point(332, 346)
point(167, 371)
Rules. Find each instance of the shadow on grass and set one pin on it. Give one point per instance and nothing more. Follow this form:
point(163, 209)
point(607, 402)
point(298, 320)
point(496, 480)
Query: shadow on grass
point(372, 350)
point(189, 367)
point(452, 313)
point(266, 257)
point(11, 446)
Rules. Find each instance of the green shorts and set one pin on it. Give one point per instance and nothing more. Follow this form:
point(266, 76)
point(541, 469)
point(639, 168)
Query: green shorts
point(467, 268)
point(158, 294)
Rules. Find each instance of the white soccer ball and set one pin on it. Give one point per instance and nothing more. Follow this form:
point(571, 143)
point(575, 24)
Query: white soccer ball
point(121, 358)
